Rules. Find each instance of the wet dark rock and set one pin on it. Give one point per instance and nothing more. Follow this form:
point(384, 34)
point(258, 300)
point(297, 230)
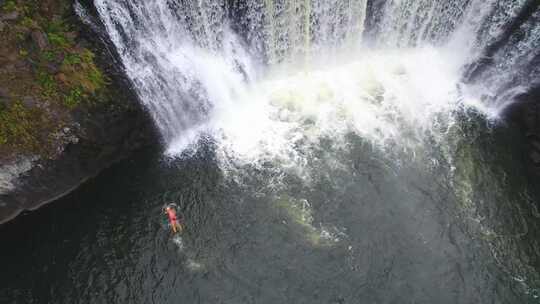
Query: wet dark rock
point(59, 58)
point(40, 39)
point(7, 68)
point(4, 103)
point(29, 102)
point(526, 113)
point(535, 144)
point(11, 16)
point(71, 35)
point(104, 138)
point(21, 64)
point(95, 138)
point(53, 68)
point(47, 7)
point(4, 93)
point(535, 157)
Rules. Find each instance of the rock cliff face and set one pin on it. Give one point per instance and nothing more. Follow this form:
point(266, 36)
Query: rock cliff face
point(66, 112)
point(526, 113)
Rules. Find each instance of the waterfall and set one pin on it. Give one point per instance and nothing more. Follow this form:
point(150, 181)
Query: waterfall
point(498, 40)
point(192, 61)
point(292, 29)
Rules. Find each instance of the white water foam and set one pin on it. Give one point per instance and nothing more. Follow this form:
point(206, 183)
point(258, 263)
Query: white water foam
point(386, 97)
point(299, 71)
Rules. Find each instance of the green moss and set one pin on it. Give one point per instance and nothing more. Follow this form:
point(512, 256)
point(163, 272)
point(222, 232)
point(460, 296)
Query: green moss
point(95, 78)
point(20, 36)
point(56, 27)
point(58, 40)
point(23, 53)
point(48, 85)
point(29, 22)
point(94, 75)
point(19, 126)
point(48, 56)
point(77, 83)
point(72, 59)
point(73, 98)
point(81, 72)
point(9, 6)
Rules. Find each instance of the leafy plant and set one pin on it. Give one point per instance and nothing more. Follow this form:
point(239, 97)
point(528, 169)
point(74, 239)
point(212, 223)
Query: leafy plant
point(73, 98)
point(48, 85)
point(48, 56)
point(58, 40)
point(19, 126)
point(9, 6)
point(23, 53)
point(55, 26)
point(29, 22)
point(72, 59)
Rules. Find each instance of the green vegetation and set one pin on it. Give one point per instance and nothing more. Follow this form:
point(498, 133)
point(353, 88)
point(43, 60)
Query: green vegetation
point(9, 6)
point(19, 127)
point(29, 23)
point(23, 53)
point(72, 59)
point(59, 75)
point(48, 56)
point(73, 98)
point(58, 40)
point(48, 85)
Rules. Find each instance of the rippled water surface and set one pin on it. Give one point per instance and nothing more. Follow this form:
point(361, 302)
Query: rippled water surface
point(358, 226)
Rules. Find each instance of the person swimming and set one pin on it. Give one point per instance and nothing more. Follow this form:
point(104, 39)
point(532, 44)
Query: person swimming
point(175, 224)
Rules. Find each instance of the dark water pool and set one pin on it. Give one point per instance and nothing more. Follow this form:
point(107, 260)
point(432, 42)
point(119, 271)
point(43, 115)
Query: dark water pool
point(371, 230)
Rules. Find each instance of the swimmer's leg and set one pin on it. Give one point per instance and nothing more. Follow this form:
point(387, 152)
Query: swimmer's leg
point(179, 227)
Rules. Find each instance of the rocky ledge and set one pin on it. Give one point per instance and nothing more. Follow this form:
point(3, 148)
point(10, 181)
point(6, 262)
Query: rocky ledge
point(66, 112)
point(525, 112)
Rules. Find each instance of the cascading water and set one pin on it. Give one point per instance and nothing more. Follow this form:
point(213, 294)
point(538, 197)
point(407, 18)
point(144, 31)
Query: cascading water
point(188, 65)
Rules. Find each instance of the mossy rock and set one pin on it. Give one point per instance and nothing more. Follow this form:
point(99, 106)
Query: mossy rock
point(58, 73)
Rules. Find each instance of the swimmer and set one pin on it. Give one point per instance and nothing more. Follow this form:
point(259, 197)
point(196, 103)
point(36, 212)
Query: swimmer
point(173, 221)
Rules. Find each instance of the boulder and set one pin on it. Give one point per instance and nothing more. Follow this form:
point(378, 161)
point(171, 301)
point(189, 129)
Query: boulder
point(2, 26)
point(40, 39)
point(11, 16)
point(22, 64)
point(47, 7)
point(53, 68)
point(29, 102)
point(4, 93)
point(62, 78)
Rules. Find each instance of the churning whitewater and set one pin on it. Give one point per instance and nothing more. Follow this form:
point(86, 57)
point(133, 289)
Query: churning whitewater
point(259, 79)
